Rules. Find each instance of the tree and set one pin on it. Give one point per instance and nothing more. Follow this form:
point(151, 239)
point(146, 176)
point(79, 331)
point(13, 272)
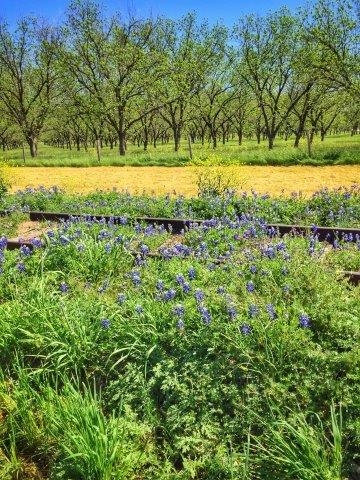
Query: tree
point(28, 76)
point(113, 61)
point(269, 48)
point(333, 26)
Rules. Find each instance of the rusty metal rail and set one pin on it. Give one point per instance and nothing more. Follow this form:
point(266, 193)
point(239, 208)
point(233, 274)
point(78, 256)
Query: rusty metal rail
point(353, 277)
point(177, 225)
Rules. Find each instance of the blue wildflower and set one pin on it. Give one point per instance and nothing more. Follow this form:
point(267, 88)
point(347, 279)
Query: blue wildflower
point(105, 323)
point(25, 250)
point(160, 285)
point(245, 329)
point(304, 321)
point(232, 312)
point(180, 324)
point(199, 295)
point(139, 309)
point(64, 287)
point(144, 249)
point(250, 287)
point(169, 295)
point(253, 310)
point(180, 279)
point(271, 311)
point(179, 310)
point(21, 267)
point(121, 298)
point(192, 273)
point(205, 314)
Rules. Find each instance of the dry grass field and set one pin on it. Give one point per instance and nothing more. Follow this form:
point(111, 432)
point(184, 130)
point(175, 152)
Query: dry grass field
point(160, 180)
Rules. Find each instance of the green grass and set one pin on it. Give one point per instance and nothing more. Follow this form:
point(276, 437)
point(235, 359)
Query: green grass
point(336, 149)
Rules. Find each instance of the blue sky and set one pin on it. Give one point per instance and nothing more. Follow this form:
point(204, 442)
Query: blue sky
point(227, 10)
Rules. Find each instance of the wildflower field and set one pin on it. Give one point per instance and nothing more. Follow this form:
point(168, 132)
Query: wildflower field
point(226, 352)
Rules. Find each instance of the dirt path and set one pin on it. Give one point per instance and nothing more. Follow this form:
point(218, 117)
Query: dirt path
point(160, 180)
point(28, 230)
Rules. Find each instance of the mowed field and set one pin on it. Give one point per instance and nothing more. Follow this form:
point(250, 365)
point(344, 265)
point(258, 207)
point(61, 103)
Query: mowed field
point(182, 180)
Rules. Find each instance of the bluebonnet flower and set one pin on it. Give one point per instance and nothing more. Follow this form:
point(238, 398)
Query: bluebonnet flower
point(144, 249)
point(135, 277)
point(199, 295)
point(137, 228)
point(3, 243)
point(121, 298)
point(104, 286)
point(25, 250)
point(253, 310)
point(336, 245)
point(280, 246)
point(286, 288)
point(245, 329)
point(50, 234)
point(205, 314)
point(140, 261)
point(179, 310)
point(192, 273)
point(253, 268)
point(186, 287)
point(169, 295)
point(271, 311)
point(64, 287)
point(269, 252)
point(180, 324)
point(81, 247)
point(232, 311)
point(105, 323)
point(21, 267)
point(160, 285)
point(250, 287)
point(284, 271)
point(180, 279)
point(221, 290)
point(139, 309)
point(103, 234)
point(36, 242)
point(107, 247)
point(304, 321)
point(312, 245)
point(63, 240)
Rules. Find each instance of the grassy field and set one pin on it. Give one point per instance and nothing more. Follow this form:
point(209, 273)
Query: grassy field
point(337, 149)
point(150, 369)
point(160, 180)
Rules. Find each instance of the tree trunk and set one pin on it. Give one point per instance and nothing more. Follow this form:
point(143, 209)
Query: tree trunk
point(98, 147)
point(271, 141)
point(146, 139)
point(122, 148)
point(32, 141)
point(240, 135)
point(214, 138)
point(177, 136)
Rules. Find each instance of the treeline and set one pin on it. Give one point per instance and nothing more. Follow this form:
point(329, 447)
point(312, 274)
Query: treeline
point(98, 80)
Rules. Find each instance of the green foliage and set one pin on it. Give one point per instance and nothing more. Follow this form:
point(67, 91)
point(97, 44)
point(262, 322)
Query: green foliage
point(301, 448)
point(144, 396)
